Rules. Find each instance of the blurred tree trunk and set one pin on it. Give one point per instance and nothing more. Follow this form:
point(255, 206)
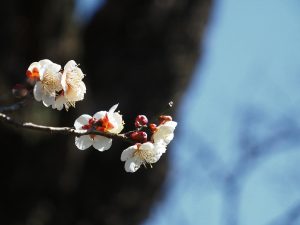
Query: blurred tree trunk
point(138, 53)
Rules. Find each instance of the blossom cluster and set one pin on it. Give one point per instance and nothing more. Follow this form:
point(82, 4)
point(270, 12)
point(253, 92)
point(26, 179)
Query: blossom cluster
point(56, 87)
point(143, 152)
point(62, 88)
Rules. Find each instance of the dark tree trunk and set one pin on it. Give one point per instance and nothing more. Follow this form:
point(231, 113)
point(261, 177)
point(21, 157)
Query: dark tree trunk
point(138, 53)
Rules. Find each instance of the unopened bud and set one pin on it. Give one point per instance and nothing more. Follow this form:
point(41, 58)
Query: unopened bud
point(139, 136)
point(153, 127)
point(19, 91)
point(140, 121)
point(33, 74)
point(164, 118)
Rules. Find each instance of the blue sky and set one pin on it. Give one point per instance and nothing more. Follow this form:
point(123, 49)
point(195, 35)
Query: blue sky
point(85, 9)
point(250, 64)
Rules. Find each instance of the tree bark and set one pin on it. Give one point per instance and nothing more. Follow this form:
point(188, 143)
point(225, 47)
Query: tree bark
point(138, 53)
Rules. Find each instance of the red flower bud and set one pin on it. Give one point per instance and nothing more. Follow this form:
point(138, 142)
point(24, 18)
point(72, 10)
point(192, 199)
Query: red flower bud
point(19, 91)
point(34, 74)
point(153, 127)
point(140, 121)
point(139, 136)
point(164, 118)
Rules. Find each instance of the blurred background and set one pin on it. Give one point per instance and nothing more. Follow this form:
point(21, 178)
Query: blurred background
point(231, 67)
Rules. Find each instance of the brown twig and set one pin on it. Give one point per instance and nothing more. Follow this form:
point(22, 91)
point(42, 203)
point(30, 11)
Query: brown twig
point(62, 130)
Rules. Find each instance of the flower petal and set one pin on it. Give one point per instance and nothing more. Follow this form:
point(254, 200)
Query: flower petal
point(171, 124)
point(102, 143)
point(54, 67)
point(118, 122)
point(83, 142)
point(34, 65)
point(113, 108)
point(165, 132)
point(45, 62)
point(132, 165)
point(81, 91)
point(70, 65)
point(63, 82)
point(81, 121)
point(38, 91)
point(48, 100)
point(99, 115)
point(148, 146)
point(59, 103)
point(128, 153)
point(160, 147)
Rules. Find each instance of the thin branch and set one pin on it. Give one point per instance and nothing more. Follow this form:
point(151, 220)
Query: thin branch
point(62, 130)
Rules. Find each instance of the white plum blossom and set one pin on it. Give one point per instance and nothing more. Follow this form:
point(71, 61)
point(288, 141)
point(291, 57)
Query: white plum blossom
point(48, 78)
point(72, 85)
point(55, 87)
point(85, 122)
point(140, 154)
point(164, 133)
point(104, 121)
point(111, 121)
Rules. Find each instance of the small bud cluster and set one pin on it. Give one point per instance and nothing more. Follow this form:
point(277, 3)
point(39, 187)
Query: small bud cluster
point(140, 136)
point(55, 87)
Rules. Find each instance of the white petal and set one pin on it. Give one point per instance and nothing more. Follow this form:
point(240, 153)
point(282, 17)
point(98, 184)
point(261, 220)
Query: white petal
point(154, 158)
point(34, 65)
point(113, 108)
point(171, 124)
point(63, 82)
point(48, 100)
point(54, 67)
point(132, 165)
point(81, 121)
point(99, 115)
point(45, 62)
point(70, 65)
point(148, 146)
point(165, 132)
point(168, 138)
point(59, 102)
point(79, 72)
point(102, 143)
point(160, 147)
point(80, 91)
point(118, 123)
point(38, 91)
point(151, 153)
point(128, 153)
point(83, 142)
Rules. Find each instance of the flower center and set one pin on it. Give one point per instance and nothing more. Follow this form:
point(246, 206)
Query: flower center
point(104, 124)
point(90, 124)
point(51, 82)
point(145, 155)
